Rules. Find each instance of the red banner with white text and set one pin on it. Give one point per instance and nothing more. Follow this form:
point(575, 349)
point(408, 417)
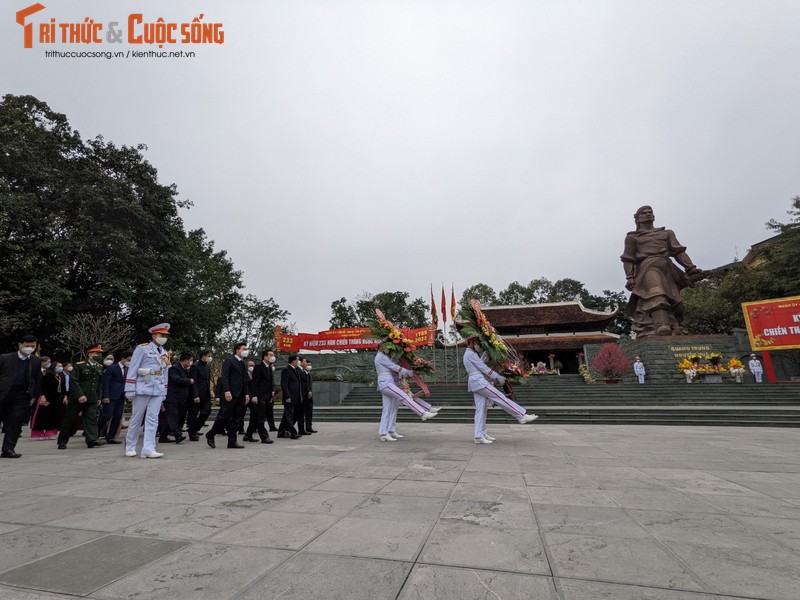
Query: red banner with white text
point(773, 324)
point(351, 338)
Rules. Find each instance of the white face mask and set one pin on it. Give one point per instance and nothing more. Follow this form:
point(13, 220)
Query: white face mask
point(108, 363)
point(69, 369)
point(271, 359)
point(250, 369)
point(45, 366)
point(27, 350)
point(244, 353)
point(208, 359)
point(59, 369)
point(308, 368)
point(161, 340)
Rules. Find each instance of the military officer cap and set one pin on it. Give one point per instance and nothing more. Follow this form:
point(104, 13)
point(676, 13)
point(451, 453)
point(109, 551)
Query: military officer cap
point(94, 349)
point(161, 328)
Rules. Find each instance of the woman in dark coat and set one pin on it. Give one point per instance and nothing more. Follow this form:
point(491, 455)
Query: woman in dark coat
point(47, 415)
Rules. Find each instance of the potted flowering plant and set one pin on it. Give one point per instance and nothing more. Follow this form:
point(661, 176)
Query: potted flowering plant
point(714, 358)
point(688, 369)
point(736, 368)
point(611, 362)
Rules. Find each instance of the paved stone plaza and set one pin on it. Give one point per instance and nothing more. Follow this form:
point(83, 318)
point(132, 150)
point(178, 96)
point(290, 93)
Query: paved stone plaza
point(553, 512)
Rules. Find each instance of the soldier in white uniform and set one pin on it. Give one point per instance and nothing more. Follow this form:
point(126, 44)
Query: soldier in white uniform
point(755, 368)
point(389, 373)
point(479, 382)
point(638, 369)
point(146, 387)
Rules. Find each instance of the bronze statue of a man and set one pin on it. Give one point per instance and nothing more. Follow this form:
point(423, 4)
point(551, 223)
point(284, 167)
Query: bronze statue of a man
point(654, 280)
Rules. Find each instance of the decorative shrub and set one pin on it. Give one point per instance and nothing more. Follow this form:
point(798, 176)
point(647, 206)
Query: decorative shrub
point(611, 362)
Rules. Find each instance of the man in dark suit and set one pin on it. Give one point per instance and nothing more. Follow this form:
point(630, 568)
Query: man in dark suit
point(308, 401)
point(300, 407)
point(180, 388)
point(233, 385)
point(292, 394)
point(113, 398)
point(20, 384)
point(200, 406)
point(262, 387)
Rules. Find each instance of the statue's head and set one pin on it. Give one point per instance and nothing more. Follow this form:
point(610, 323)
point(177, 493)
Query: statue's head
point(644, 214)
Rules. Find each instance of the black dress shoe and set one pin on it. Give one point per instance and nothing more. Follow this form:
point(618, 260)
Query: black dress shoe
point(165, 440)
point(240, 432)
point(194, 438)
point(312, 431)
point(301, 432)
point(210, 440)
point(62, 446)
point(95, 443)
point(11, 454)
point(294, 436)
point(113, 442)
point(179, 439)
point(248, 438)
point(267, 441)
point(237, 445)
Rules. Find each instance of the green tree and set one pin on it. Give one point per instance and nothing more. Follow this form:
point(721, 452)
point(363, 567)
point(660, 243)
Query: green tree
point(253, 322)
point(87, 228)
point(395, 306)
point(482, 293)
point(782, 258)
point(343, 314)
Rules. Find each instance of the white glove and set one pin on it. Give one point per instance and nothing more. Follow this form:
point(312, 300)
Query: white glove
point(144, 372)
point(500, 379)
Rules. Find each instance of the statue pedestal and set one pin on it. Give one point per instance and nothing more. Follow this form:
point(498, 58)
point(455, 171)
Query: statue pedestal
point(661, 355)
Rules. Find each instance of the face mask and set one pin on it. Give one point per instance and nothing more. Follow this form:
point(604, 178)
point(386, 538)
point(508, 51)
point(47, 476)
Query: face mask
point(59, 369)
point(250, 369)
point(161, 340)
point(208, 359)
point(69, 369)
point(271, 359)
point(308, 368)
point(108, 363)
point(45, 365)
point(27, 350)
point(244, 353)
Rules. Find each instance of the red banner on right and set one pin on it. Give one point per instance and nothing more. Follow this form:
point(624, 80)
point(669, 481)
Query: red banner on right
point(773, 324)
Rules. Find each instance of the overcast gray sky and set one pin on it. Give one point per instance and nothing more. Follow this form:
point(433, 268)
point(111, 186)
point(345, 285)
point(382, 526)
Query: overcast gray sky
point(387, 145)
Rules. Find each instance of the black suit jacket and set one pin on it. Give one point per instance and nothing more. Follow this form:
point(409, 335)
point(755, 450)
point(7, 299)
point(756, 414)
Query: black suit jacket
point(263, 382)
point(305, 383)
point(234, 378)
point(179, 384)
point(290, 384)
point(113, 382)
point(202, 380)
point(8, 373)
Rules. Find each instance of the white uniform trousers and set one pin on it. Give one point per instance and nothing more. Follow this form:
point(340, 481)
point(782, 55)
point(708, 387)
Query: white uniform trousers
point(490, 393)
point(641, 378)
point(391, 396)
point(758, 375)
point(152, 406)
point(481, 408)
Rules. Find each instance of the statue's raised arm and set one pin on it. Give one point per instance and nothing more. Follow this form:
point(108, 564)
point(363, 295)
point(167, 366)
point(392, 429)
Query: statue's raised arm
point(653, 278)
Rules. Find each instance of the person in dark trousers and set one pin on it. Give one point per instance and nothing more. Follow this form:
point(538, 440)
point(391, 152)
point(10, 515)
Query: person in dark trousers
point(292, 393)
point(308, 401)
point(300, 407)
point(20, 384)
point(233, 385)
point(84, 397)
point(180, 389)
point(200, 406)
point(114, 398)
point(262, 390)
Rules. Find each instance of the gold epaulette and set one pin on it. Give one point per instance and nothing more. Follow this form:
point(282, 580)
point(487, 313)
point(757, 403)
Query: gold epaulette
point(83, 362)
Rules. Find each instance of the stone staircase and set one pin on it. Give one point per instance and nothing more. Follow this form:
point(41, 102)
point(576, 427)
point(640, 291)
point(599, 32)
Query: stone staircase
point(567, 399)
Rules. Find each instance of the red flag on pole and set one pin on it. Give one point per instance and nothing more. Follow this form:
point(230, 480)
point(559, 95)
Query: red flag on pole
point(444, 306)
point(452, 303)
point(434, 316)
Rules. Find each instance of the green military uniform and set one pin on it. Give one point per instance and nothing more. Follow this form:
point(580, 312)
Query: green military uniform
point(86, 381)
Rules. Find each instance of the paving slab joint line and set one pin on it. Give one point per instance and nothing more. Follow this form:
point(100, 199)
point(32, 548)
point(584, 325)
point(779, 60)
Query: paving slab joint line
point(304, 546)
point(430, 531)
